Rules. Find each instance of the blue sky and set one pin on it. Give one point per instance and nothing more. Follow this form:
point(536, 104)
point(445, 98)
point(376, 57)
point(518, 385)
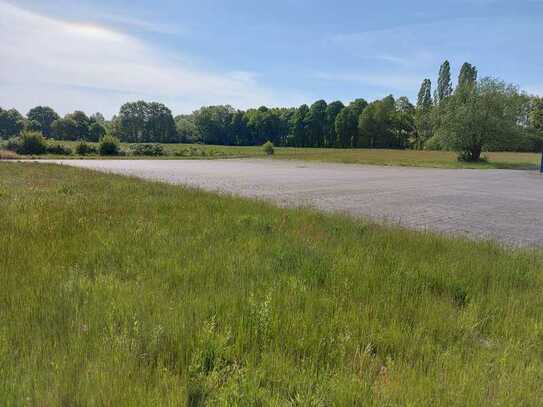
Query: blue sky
point(95, 55)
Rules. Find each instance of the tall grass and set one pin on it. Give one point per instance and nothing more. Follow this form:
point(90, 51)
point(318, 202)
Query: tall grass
point(116, 291)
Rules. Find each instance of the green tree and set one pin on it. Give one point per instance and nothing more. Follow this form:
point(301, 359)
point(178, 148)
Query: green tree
point(480, 116)
point(65, 129)
point(298, 137)
point(142, 122)
point(535, 113)
point(315, 123)
point(264, 125)
point(45, 116)
point(357, 107)
point(82, 124)
point(467, 76)
point(186, 129)
point(98, 118)
point(332, 111)
point(404, 122)
point(424, 99)
point(32, 126)
point(96, 131)
point(213, 122)
point(159, 124)
point(11, 123)
point(423, 116)
point(347, 127)
point(444, 84)
point(376, 125)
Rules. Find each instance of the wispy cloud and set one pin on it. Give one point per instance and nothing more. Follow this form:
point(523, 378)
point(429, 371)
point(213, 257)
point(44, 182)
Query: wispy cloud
point(72, 65)
point(145, 25)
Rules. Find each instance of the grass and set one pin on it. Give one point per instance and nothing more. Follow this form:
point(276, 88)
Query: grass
point(117, 291)
point(411, 158)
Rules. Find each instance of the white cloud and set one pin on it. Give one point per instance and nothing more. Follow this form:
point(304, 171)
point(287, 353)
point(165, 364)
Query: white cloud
point(83, 66)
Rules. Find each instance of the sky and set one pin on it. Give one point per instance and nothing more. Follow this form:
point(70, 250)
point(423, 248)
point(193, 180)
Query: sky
point(96, 55)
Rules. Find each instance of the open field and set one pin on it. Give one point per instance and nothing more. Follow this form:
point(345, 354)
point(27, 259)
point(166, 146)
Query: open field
point(503, 205)
point(410, 158)
point(117, 291)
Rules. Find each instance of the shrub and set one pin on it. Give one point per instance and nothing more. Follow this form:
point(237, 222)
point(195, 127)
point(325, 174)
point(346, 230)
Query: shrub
point(12, 144)
point(147, 150)
point(59, 149)
point(268, 148)
point(109, 145)
point(85, 149)
point(32, 143)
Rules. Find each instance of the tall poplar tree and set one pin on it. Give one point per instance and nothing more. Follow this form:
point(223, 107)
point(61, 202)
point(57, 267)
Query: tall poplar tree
point(444, 84)
point(424, 100)
point(468, 76)
point(423, 119)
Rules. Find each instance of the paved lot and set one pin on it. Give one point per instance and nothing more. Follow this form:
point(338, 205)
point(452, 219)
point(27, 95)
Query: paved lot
point(495, 204)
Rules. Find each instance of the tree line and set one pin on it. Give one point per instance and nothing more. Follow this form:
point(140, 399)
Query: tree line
point(473, 116)
point(43, 119)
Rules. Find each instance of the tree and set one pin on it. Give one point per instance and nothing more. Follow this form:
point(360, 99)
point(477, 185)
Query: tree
point(444, 84)
point(423, 118)
point(424, 100)
point(82, 123)
point(467, 76)
point(65, 129)
point(45, 116)
point(358, 106)
point(98, 118)
point(96, 132)
point(349, 123)
point(477, 117)
point(535, 113)
point(264, 125)
point(297, 127)
point(186, 129)
point(11, 123)
point(159, 125)
point(142, 122)
point(315, 122)
point(32, 126)
point(332, 111)
point(376, 125)
point(404, 122)
point(213, 122)
point(347, 127)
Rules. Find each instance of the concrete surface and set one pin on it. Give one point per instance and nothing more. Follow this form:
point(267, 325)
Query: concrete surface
point(503, 205)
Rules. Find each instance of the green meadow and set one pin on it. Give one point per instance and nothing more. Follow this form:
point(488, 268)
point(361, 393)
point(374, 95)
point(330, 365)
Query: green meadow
point(116, 291)
point(411, 158)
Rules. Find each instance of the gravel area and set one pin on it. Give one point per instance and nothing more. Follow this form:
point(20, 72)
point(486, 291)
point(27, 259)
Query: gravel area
point(502, 205)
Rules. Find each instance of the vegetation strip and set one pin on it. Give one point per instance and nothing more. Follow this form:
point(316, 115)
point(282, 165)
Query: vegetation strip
point(122, 292)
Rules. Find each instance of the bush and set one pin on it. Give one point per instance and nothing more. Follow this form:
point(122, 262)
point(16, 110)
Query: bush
point(154, 150)
point(32, 143)
point(85, 149)
point(109, 145)
point(12, 144)
point(268, 148)
point(58, 149)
